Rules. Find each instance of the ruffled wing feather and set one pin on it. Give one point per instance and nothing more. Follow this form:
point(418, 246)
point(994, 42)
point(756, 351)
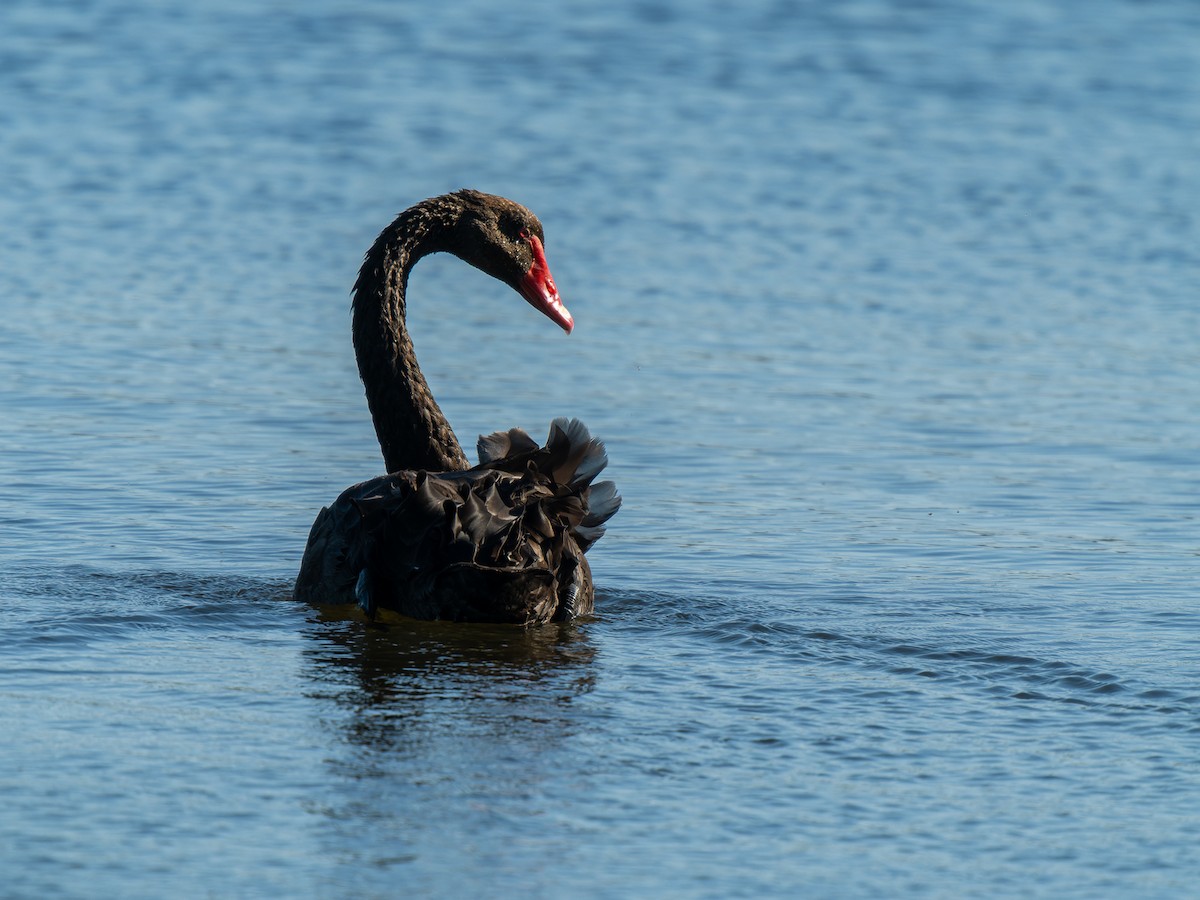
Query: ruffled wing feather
point(502, 542)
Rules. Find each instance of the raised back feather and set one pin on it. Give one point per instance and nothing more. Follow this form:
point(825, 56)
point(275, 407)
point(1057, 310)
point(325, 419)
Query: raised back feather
point(503, 541)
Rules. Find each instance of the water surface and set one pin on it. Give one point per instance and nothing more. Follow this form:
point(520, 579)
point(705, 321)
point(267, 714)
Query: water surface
point(885, 311)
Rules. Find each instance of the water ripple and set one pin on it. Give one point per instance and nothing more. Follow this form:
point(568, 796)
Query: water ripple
point(994, 672)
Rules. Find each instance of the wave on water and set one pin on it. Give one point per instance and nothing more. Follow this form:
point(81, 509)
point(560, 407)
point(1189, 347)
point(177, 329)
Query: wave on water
point(781, 635)
point(75, 605)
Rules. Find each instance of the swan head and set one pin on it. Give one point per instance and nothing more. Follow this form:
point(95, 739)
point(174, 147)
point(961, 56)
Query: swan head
point(505, 240)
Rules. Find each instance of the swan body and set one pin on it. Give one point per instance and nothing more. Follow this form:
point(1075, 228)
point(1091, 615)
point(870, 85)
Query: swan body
point(503, 541)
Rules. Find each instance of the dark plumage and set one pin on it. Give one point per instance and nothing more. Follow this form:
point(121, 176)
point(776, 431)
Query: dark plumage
point(501, 542)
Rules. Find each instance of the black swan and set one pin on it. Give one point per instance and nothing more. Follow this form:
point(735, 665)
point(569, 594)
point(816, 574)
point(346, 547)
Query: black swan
point(435, 539)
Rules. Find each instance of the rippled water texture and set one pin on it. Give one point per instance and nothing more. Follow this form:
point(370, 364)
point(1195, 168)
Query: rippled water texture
point(886, 311)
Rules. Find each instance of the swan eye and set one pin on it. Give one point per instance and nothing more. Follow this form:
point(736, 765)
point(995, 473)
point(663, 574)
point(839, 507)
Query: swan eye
point(523, 234)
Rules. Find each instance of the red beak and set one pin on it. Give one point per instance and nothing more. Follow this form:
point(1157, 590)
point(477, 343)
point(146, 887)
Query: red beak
point(537, 286)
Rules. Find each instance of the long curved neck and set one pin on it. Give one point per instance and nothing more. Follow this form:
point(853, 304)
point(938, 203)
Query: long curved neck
point(412, 431)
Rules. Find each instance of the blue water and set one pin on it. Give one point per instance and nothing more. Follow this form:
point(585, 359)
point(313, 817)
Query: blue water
point(886, 311)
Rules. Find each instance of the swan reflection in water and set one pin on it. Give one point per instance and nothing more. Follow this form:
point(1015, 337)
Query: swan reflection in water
point(440, 742)
point(412, 681)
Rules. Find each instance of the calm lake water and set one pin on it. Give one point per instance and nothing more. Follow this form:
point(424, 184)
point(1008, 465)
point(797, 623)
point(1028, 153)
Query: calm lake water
point(887, 312)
